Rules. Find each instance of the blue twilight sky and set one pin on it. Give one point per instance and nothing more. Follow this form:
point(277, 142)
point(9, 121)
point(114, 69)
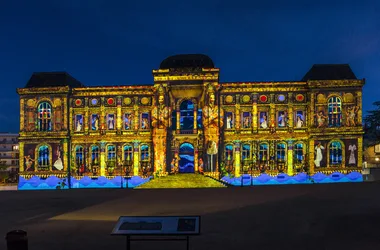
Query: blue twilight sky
point(119, 42)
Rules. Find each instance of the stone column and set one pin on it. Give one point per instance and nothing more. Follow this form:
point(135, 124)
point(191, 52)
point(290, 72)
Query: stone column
point(136, 158)
point(21, 156)
point(360, 152)
point(237, 158)
point(311, 111)
point(196, 159)
point(86, 119)
point(195, 119)
point(65, 114)
point(290, 158)
point(290, 111)
point(254, 113)
point(119, 120)
point(237, 116)
point(311, 156)
point(102, 115)
point(359, 104)
point(102, 158)
point(66, 154)
point(178, 126)
point(22, 114)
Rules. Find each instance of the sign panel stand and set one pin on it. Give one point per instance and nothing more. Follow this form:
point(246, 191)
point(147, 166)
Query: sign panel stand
point(175, 228)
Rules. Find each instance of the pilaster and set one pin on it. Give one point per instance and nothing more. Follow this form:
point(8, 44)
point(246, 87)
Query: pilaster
point(136, 158)
point(237, 158)
point(290, 158)
point(21, 156)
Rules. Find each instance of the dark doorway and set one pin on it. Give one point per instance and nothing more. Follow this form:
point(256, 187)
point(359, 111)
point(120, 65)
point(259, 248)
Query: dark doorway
point(186, 155)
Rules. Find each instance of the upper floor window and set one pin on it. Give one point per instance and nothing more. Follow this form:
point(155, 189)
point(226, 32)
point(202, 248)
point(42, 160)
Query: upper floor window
point(44, 117)
point(334, 111)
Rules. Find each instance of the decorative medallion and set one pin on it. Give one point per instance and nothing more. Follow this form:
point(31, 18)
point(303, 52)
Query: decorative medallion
point(110, 101)
point(229, 99)
point(321, 98)
point(246, 98)
point(300, 97)
point(144, 100)
point(281, 98)
point(31, 103)
point(94, 101)
point(78, 102)
point(127, 101)
point(263, 98)
point(57, 102)
point(348, 97)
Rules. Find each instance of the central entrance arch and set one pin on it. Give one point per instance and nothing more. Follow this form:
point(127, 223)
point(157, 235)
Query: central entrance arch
point(186, 155)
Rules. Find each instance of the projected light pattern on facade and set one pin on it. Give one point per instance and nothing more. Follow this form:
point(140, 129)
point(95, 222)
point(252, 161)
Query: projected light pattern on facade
point(189, 118)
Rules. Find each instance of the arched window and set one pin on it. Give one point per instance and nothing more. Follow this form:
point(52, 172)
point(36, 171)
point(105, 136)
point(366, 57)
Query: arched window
point(334, 111)
point(246, 152)
point(281, 152)
point(229, 153)
point(335, 150)
point(43, 157)
point(79, 156)
point(44, 117)
point(95, 155)
point(128, 153)
point(111, 152)
point(144, 152)
point(263, 152)
point(298, 152)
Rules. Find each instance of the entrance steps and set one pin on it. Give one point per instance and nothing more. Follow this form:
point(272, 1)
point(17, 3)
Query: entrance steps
point(182, 181)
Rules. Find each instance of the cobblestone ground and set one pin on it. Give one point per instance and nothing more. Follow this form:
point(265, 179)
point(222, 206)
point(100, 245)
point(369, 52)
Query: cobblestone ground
point(332, 216)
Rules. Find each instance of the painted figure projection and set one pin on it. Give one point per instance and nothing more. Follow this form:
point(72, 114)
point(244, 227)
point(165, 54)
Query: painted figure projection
point(111, 121)
point(282, 119)
point(350, 115)
point(352, 160)
point(128, 118)
point(318, 154)
point(144, 121)
point(29, 157)
point(246, 119)
point(299, 119)
point(263, 119)
point(95, 122)
point(58, 164)
point(321, 119)
point(229, 120)
point(78, 123)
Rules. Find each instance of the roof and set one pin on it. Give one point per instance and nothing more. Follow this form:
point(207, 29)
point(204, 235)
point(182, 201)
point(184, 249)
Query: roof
point(52, 79)
point(330, 72)
point(187, 61)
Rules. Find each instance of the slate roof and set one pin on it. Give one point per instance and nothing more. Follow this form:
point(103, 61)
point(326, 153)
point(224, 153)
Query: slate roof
point(187, 61)
point(52, 79)
point(330, 72)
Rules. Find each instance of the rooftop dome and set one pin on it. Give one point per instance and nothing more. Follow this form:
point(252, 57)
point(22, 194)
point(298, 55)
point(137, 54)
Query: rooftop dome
point(187, 61)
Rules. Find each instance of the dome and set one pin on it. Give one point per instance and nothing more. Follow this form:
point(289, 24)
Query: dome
point(187, 61)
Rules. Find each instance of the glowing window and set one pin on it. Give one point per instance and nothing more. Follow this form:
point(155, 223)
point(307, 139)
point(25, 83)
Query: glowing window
point(263, 152)
point(229, 150)
point(298, 152)
point(335, 149)
point(79, 156)
point(95, 155)
point(334, 111)
point(245, 152)
point(281, 151)
point(44, 117)
point(43, 157)
point(111, 152)
point(144, 153)
point(128, 153)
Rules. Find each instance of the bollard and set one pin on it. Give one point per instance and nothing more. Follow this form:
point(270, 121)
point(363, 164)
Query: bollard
point(17, 240)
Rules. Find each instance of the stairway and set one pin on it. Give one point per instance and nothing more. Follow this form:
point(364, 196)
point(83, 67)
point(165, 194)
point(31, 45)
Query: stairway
point(182, 181)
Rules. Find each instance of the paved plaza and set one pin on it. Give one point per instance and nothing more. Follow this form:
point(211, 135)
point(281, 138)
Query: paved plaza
point(331, 216)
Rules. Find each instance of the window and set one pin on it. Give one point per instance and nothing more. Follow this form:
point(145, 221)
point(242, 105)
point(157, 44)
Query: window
point(43, 157)
point(145, 121)
point(78, 121)
point(334, 111)
point(128, 121)
point(263, 152)
point(281, 152)
point(199, 118)
point(145, 153)
point(246, 152)
point(110, 121)
point(246, 121)
point(95, 155)
point(377, 148)
point(299, 119)
point(111, 152)
point(229, 150)
point(94, 122)
point(230, 121)
point(79, 156)
point(44, 117)
point(335, 150)
point(128, 153)
point(298, 152)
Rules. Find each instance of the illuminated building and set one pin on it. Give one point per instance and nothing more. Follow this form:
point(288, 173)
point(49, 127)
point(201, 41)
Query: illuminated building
point(313, 125)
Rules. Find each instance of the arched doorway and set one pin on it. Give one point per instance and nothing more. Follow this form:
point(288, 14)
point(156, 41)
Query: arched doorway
point(186, 155)
point(187, 116)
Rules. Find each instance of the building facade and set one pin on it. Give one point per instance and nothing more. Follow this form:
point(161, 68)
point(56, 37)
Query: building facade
point(9, 152)
point(189, 119)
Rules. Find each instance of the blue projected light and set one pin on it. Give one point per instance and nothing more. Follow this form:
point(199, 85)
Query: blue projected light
point(281, 98)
